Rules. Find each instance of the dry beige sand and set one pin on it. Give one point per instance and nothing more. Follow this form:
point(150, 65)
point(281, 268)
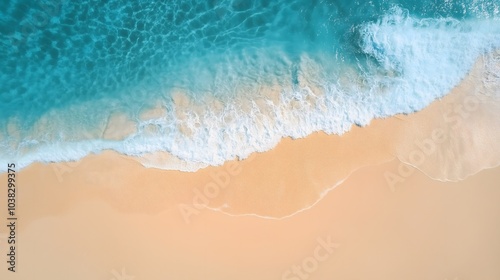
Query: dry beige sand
point(365, 214)
point(425, 229)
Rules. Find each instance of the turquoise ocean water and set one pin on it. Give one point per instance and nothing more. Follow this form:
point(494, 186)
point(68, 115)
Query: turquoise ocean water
point(67, 66)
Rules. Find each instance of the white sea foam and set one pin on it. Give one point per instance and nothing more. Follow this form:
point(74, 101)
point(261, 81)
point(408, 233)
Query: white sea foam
point(413, 62)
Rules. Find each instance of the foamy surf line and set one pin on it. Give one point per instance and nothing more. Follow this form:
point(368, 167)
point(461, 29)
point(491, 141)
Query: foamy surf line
point(410, 63)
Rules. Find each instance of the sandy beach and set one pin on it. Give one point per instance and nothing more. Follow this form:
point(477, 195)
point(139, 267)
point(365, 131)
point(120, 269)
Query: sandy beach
point(322, 207)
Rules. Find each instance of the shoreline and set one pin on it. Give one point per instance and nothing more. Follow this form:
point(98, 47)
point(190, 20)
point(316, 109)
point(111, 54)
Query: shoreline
point(350, 191)
point(318, 162)
point(237, 129)
point(250, 140)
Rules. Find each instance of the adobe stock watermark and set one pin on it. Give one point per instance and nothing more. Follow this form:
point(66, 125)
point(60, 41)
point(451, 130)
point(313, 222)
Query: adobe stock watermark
point(211, 190)
point(121, 275)
point(309, 265)
point(40, 19)
point(454, 118)
point(62, 168)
